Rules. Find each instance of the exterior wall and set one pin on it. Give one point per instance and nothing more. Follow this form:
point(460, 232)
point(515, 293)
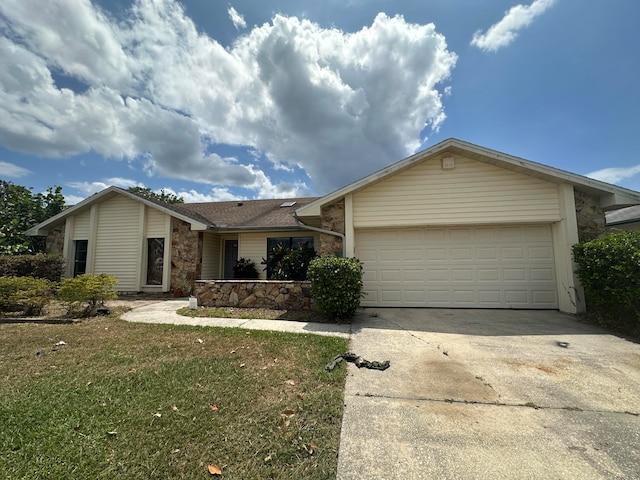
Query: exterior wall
point(155, 223)
point(633, 227)
point(471, 193)
point(332, 218)
point(186, 254)
point(253, 245)
point(55, 241)
point(117, 242)
point(211, 257)
point(590, 216)
point(278, 295)
point(81, 227)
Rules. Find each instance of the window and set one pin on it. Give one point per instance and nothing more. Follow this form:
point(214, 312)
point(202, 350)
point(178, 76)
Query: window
point(80, 257)
point(288, 243)
point(155, 260)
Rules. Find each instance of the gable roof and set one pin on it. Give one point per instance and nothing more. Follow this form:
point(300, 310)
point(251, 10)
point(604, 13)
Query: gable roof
point(611, 196)
point(236, 215)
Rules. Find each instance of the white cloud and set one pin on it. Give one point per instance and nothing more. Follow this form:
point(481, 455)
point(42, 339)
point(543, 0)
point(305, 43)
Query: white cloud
point(336, 104)
point(504, 32)
point(12, 170)
point(237, 19)
point(615, 174)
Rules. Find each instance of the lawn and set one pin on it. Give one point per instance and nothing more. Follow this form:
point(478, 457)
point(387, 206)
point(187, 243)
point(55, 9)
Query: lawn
point(122, 400)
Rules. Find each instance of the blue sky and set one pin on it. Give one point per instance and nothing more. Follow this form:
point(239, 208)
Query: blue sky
point(218, 100)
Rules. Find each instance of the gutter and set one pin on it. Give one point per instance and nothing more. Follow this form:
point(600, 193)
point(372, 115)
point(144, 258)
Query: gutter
point(322, 230)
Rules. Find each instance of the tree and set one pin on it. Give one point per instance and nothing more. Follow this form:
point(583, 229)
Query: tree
point(162, 196)
point(20, 210)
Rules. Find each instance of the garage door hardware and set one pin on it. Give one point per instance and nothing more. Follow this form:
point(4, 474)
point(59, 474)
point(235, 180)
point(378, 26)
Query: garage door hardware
point(359, 362)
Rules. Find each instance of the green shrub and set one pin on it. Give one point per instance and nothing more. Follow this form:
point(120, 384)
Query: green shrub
point(27, 294)
point(93, 290)
point(336, 285)
point(38, 266)
point(245, 269)
point(289, 264)
point(609, 269)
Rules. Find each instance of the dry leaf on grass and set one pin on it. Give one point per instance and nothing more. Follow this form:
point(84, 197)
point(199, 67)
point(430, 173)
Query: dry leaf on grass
point(214, 469)
point(213, 407)
point(288, 412)
point(290, 382)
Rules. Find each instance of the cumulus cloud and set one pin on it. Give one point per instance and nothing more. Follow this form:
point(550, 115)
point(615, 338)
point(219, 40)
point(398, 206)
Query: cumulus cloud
point(237, 19)
point(504, 32)
point(162, 93)
point(12, 170)
point(614, 174)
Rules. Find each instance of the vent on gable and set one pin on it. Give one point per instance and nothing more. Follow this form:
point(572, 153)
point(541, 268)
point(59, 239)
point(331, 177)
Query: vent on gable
point(287, 204)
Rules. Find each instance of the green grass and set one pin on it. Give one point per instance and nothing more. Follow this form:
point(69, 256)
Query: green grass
point(253, 313)
point(135, 401)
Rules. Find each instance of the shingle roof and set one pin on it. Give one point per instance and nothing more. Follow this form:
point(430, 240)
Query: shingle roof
point(244, 214)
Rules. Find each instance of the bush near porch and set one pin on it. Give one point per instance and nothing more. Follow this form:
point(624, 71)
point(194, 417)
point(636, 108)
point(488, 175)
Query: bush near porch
point(609, 269)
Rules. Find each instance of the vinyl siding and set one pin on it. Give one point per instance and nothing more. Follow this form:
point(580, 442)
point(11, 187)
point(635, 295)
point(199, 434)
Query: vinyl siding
point(253, 245)
point(211, 257)
point(118, 242)
point(81, 226)
point(472, 193)
point(156, 223)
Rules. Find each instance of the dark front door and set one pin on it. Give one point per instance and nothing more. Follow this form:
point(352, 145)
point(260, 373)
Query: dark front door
point(230, 258)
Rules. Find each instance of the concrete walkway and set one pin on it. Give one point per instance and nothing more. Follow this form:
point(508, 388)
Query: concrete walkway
point(165, 312)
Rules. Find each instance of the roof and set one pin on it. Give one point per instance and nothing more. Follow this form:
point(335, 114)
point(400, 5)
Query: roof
point(623, 216)
point(236, 215)
point(611, 196)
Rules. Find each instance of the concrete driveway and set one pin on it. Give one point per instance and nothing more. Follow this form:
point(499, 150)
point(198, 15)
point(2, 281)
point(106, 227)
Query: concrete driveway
point(488, 394)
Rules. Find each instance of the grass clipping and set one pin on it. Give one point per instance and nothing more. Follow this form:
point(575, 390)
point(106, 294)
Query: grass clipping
point(110, 399)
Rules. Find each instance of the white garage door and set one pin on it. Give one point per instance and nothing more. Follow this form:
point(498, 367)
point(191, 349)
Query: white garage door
point(466, 267)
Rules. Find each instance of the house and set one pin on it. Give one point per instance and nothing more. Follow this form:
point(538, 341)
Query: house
point(624, 219)
point(456, 225)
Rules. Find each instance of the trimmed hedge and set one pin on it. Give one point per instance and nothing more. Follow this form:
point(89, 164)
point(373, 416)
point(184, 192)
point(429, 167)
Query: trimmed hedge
point(25, 294)
point(93, 290)
point(37, 266)
point(609, 269)
point(336, 285)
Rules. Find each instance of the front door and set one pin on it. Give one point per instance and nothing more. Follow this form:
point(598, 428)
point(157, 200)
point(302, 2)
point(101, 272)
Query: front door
point(230, 258)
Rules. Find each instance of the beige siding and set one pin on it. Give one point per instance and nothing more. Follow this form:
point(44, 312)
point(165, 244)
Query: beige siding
point(253, 245)
point(211, 255)
point(472, 193)
point(118, 241)
point(156, 223)
point(81, 226)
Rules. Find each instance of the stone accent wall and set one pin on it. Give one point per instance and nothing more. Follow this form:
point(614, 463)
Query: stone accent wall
point(332, 218)
point(590, 216)
point(274, 294)
point(186, 254)
point(55, 241)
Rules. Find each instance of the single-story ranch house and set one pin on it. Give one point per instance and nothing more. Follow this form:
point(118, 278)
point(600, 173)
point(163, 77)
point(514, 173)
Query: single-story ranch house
point(456, 225)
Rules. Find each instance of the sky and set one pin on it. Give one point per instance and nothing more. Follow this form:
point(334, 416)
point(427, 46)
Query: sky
point(222, 100)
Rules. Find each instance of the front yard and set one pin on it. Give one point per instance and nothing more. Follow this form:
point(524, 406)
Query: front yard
point(108, 399)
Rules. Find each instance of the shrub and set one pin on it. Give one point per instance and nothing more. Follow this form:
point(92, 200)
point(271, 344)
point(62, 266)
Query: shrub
point(245, 269)
point(27, 294)
point(93, 290)
point(289, 264)
point(38, 266)
point(609, 269)
point(336, 285)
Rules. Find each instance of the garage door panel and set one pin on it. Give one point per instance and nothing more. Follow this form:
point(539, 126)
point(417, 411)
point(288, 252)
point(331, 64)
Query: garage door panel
point(488, 267)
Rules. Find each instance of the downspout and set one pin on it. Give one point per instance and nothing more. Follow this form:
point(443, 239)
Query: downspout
point(322, 230)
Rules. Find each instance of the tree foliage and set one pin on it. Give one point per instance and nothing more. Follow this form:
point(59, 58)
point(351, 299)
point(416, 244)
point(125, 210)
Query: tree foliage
point(289, 263)
point(20, 209)
point(162, 196)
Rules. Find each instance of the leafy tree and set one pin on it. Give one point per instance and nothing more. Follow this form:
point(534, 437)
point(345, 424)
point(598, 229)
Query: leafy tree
point(20, 210)
point(162, 196)
point(336, 285)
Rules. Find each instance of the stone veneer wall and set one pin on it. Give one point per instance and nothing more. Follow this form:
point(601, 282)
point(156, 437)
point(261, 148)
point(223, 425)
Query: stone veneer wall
point(332, 218)
point(590, 216)
point(55, 241)
point(274, 294)
point(186, 254)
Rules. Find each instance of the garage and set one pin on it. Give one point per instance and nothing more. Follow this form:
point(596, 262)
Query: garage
point(496, 266)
